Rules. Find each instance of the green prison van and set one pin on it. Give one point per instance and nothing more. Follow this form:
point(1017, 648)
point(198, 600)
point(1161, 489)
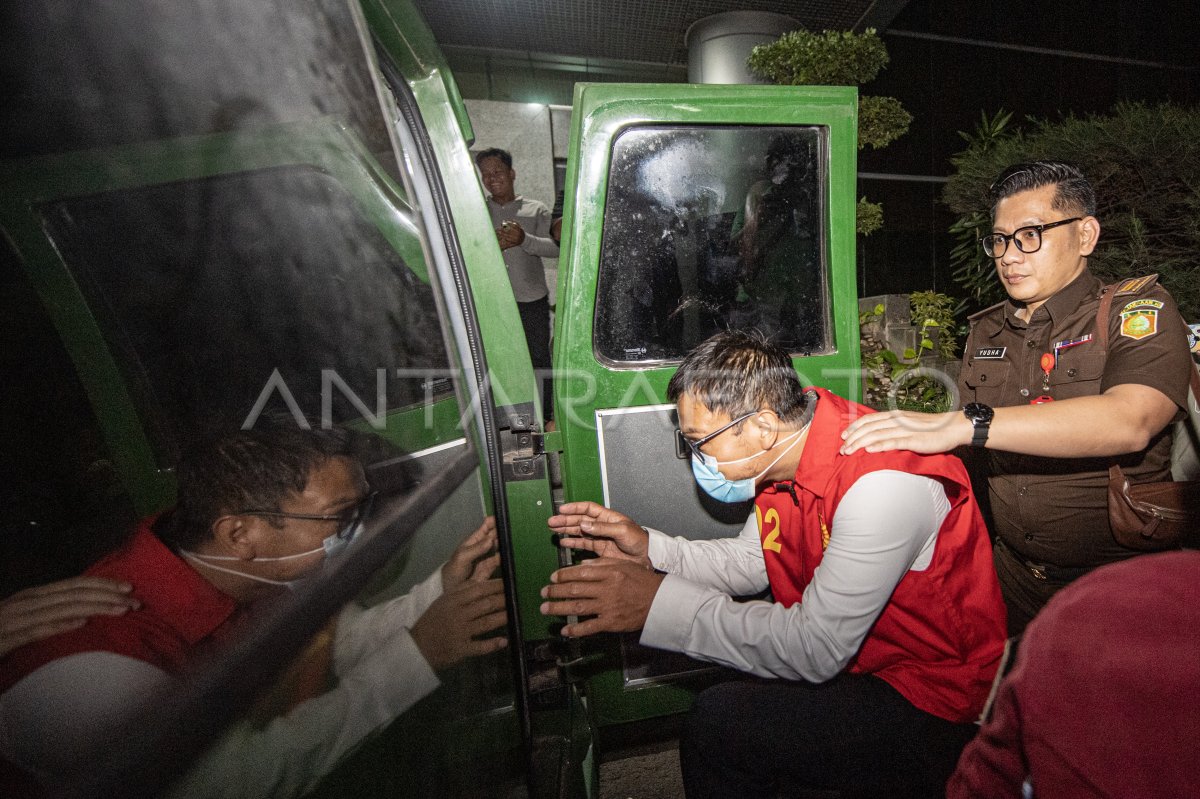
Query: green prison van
point(214, 213)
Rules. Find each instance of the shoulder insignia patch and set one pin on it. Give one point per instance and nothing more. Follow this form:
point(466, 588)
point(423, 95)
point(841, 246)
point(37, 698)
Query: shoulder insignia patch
point(1135, 285)
point(1139, 323)
point(1142, 304)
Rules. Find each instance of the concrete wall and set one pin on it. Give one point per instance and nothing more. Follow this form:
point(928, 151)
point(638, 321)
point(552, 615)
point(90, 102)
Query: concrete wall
point(524, 129)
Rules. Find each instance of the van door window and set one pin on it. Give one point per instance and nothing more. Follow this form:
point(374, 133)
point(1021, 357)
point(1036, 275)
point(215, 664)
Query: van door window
point(259, 292)
point(711, 228)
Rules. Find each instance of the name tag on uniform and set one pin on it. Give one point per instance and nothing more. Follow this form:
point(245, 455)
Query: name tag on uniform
point(990, 353)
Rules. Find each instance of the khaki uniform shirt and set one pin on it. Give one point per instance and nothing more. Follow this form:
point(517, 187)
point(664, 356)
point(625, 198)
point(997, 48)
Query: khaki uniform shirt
point(1055, 510)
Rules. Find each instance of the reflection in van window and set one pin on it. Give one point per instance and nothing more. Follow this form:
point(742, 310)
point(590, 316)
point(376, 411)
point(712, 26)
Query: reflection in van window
point(215, 293)
point(62, 504)
point(713, 228)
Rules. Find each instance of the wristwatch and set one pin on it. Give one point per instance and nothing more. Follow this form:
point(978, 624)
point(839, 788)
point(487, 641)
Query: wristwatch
point(981, 418)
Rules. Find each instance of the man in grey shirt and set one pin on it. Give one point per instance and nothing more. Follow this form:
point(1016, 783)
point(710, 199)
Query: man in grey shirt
point(523, 231)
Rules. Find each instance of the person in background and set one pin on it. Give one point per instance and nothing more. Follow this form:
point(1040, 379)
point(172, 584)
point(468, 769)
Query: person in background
point(1053, 407)
point(1101, 700)
point(258, 511)
point(523, 231)
point(874, 658)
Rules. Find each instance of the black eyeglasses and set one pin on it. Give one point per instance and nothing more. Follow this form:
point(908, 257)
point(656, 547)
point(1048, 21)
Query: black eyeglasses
point(686, 448)
point(347, 519)
point(1028, 239)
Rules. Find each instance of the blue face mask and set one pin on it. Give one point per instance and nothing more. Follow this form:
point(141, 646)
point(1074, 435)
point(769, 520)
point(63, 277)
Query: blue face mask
point(706, 470)
point(331, 545)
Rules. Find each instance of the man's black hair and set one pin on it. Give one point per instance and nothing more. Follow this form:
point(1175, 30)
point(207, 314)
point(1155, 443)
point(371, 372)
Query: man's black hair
point(493, 152)
point(247, 470)
point(738, 373)
point(1073, 194)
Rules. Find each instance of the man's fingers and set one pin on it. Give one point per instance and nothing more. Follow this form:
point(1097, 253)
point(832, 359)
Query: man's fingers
point(869, 430)
point(76, 583)
point(570, 607)
point(25, 611)
point(485, 568)
point(471, 551)
point(568, 590)
point(564, 523)
point(482, 533)
point(864, 421)
point(485, 624)
point(583, 628)
point(484, 646)
point(591, 510)
point(476, 599)
point(587, 544)
point(594, 570)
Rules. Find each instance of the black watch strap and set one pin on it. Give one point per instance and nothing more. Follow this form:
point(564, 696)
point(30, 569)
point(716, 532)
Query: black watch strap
point(980, 436)
point(981, 419)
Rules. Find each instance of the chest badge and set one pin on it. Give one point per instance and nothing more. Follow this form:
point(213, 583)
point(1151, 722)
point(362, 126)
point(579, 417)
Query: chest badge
point(1047, 364)
point(1139, 323)
point(990, 353)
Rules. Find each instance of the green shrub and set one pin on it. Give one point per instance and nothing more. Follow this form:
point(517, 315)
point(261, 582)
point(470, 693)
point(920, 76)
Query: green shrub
point(838, 58)
point(894, 380)
point(1144, 162)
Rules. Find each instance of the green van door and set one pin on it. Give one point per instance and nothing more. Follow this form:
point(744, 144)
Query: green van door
point(690, 209)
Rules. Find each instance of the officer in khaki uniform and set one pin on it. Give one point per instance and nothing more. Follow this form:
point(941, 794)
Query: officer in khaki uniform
point(1040, 392)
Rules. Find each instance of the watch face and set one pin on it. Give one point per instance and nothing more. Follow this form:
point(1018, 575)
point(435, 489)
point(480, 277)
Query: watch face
point(978, 413)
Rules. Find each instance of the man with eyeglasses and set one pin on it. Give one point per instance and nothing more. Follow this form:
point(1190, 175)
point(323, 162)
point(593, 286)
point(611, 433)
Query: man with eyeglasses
point(258, 511)
point(874, 655)
point(1052, 405)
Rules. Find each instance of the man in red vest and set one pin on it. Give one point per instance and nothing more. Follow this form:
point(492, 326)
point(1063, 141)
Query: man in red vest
point(258, 510)
point(886, 625)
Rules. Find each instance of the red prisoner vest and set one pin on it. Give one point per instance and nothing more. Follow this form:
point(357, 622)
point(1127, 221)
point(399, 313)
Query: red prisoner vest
point(939, 638)
point(180, 610)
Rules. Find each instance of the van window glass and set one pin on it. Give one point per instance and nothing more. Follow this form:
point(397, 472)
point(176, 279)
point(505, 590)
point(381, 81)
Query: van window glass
point(222, 293)
point(268, 255)
point(62, 504)
point(233, 66)
point(713, 228)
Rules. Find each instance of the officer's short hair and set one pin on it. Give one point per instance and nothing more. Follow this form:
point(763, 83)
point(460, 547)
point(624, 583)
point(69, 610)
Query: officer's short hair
point(246, 470)
point(1074, 193)
point(738, 373)
point(493, 152)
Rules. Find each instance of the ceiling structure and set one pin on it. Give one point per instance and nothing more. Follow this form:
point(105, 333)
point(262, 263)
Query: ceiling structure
point(646, 31)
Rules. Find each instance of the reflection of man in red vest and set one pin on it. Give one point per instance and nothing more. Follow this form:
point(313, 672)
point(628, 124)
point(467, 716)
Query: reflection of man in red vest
point(258, 509)
point(887, 623)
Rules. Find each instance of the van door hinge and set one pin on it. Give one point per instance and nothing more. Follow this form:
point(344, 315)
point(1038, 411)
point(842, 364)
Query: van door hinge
point(521, 442)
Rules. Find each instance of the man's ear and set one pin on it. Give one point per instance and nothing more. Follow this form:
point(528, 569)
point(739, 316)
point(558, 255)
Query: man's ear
point(767, 423)
point(236, 535)
point(1089, 234)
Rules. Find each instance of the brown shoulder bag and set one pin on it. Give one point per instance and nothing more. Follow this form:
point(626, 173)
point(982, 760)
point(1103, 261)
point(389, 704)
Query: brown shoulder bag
point(1149, 516)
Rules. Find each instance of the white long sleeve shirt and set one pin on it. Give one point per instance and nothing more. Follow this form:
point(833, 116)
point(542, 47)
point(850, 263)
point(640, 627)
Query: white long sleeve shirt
point(885, 525)
point(52, 721)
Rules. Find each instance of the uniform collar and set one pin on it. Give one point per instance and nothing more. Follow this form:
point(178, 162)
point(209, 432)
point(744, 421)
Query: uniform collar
point(1061, 304)
point(820, 448)
point(167, 586)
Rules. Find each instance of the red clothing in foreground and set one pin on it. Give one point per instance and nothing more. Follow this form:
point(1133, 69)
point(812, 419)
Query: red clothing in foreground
point(180, 609)
point(939, 639)
point(1103, 699)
